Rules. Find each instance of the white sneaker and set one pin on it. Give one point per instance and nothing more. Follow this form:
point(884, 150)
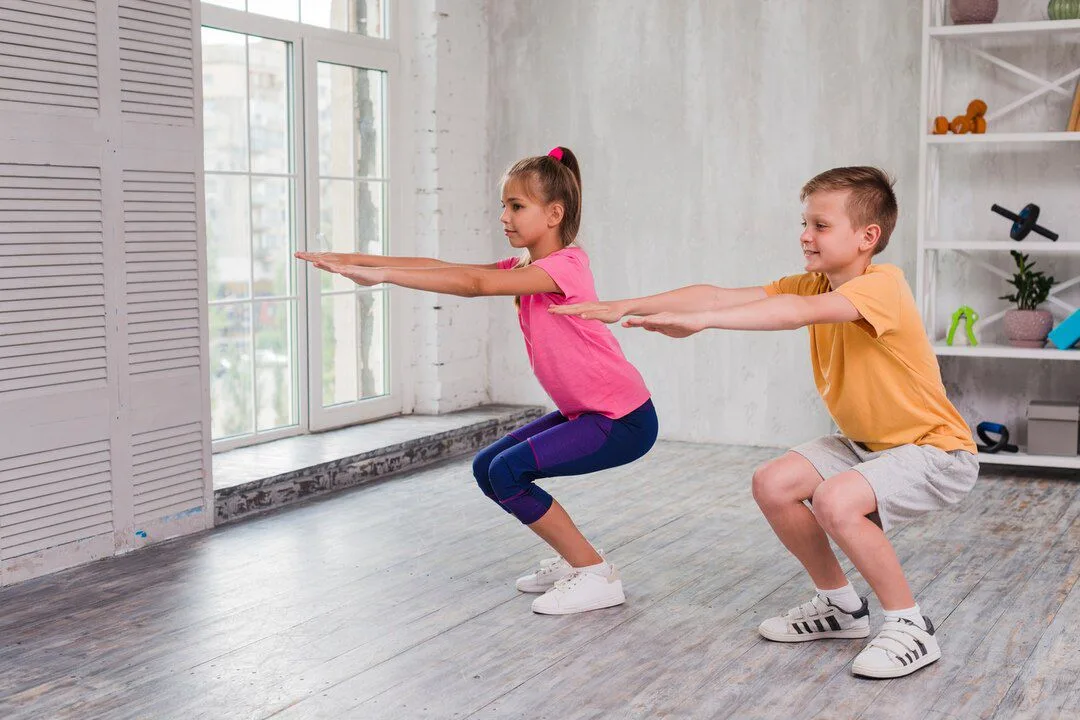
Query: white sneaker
point(818, 619)
point(551, 571)
point(581, 592)
point(901, 648)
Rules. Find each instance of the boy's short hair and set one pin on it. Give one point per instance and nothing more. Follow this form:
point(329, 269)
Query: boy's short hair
point(871, 202)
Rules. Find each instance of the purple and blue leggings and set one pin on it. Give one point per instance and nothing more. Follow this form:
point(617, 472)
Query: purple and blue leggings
point(554, 446)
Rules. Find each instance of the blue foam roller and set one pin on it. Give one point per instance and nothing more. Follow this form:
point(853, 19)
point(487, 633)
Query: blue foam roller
point(1067, 333)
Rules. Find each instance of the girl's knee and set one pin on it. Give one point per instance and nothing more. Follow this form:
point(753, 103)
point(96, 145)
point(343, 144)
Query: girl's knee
point(480, 466)
point(501, 477)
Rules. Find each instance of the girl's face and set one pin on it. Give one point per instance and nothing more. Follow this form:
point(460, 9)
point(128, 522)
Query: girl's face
point(525, 220)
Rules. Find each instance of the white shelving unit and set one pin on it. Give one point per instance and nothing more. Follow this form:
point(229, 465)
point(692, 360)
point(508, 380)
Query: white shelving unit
point(987, 253)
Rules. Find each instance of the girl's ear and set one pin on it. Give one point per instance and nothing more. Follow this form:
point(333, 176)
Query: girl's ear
point(555, 214)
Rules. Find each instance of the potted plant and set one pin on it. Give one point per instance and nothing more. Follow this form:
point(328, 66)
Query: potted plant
point(965, 12)
point(1027, 326)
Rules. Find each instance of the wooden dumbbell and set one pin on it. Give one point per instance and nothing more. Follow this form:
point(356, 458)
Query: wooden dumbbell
point(973, 122)
point(976, 112)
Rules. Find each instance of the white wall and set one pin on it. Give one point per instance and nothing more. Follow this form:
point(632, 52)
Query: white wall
point(696, 124)
point(453, 200)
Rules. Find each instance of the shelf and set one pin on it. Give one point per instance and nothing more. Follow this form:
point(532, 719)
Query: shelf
point(989, 350)
point(1037, 27)
point(1025, 460)
point(1024, 246)
point(993, 138)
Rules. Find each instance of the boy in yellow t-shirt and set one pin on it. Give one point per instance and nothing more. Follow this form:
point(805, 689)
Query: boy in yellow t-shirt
point(902, 449)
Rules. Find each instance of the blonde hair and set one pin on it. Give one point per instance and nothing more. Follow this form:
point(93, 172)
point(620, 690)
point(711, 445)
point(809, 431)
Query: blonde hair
point(871, 200)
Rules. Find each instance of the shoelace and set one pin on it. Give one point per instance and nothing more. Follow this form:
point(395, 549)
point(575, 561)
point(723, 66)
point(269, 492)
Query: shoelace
point(549, 566)
point(569, 582)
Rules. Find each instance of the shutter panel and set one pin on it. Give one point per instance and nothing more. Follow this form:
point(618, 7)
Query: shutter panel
point(161, 270)
point(52, 279)
point(168, 467)
point(54, 497)
point(48, 56)
point(157, 66)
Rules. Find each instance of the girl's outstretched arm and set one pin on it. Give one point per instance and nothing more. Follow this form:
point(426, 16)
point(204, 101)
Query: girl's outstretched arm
point(365, 260)
point(454, 280)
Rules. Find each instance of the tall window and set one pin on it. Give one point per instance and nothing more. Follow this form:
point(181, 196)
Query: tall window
point(352, 218)
point(295, 157)
point(250, 181)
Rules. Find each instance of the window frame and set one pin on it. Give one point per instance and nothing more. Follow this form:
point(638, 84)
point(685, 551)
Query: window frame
point(308, 45)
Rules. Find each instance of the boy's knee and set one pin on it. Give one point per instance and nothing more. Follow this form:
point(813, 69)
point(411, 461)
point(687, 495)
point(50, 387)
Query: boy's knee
point(832, 509)
point(769, 485)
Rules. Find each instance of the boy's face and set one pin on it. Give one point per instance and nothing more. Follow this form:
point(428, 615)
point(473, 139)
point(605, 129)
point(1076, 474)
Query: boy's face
point(829, 242)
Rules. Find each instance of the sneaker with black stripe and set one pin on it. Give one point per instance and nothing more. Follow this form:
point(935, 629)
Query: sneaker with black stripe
point(901, 648)
point(818, 619)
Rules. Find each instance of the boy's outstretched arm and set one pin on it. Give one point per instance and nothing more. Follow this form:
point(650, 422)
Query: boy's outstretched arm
point(455, 280)
point(686, 299)
point(780, 312)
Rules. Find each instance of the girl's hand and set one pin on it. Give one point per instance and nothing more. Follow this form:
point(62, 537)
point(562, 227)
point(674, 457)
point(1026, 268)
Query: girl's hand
point(604, 312)
point(360, 275)
point(332, 257)
point(676, 325)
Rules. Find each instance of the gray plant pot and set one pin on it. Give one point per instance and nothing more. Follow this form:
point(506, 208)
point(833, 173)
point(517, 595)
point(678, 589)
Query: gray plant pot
point(1028, 328)
point(967, 12)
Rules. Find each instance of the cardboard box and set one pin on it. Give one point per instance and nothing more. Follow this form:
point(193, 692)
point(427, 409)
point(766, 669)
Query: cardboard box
point(1053, 428)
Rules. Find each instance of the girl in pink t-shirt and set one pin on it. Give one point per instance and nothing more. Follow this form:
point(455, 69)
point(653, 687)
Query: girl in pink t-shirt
point(605, 417)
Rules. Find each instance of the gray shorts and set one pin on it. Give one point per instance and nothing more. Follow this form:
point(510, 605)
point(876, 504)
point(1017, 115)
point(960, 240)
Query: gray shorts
point(908, 480)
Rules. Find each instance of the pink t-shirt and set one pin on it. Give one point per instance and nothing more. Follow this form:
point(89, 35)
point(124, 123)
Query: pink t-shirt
point(578, 362)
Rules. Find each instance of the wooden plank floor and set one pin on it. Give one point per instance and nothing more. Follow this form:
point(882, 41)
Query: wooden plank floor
point(396, 601)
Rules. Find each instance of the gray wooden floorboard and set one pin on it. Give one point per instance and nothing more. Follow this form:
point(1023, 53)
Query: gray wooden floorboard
point(396, 600)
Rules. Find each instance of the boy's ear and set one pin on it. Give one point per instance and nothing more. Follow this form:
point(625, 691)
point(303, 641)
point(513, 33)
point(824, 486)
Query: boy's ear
point(870, 236)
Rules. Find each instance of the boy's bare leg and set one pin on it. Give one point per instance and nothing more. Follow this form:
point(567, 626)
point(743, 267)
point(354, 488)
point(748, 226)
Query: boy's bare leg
point(841, 505)
point(780, 486)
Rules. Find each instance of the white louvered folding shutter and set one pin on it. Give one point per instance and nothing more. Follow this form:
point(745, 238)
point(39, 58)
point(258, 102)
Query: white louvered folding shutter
point(104, 411)
point(55, 488)
point(49, 55)
point(164, 332)
point(157, 60)
point(52, 280)
point(161, 270)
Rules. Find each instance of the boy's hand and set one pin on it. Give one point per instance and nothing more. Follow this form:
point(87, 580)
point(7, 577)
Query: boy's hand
point(676, 325)
point(360, 275)
point(604, 312)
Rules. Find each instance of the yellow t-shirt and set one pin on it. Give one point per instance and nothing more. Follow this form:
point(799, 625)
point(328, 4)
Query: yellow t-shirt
point(879, 376)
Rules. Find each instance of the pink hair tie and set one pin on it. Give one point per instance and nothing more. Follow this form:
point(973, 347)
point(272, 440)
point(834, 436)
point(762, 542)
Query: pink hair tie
point(556, 152)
